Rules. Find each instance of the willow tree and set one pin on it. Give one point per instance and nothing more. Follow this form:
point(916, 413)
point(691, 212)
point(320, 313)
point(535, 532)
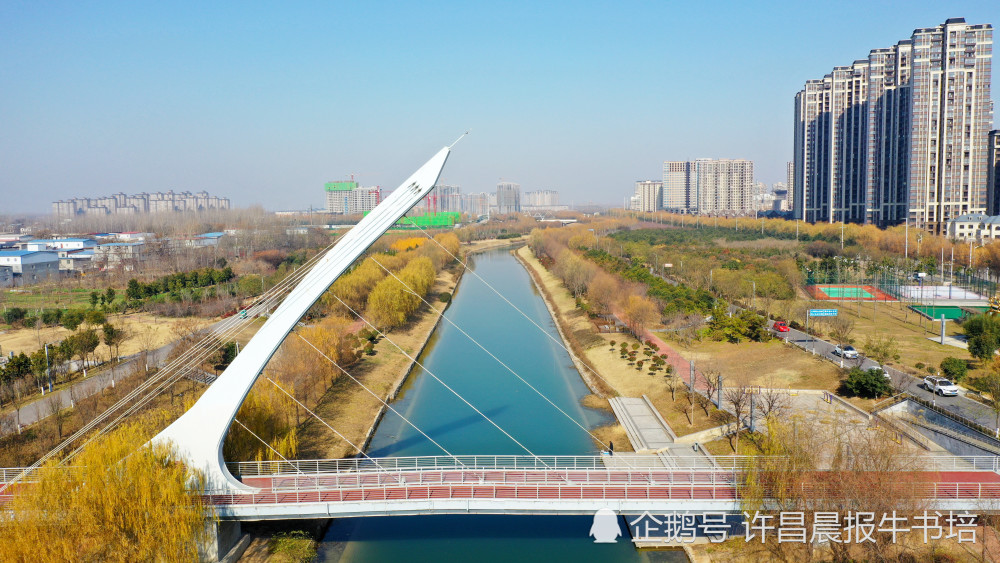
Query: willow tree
point(120, 501)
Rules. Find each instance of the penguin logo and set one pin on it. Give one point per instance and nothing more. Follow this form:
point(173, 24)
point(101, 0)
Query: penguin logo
point(605, 528)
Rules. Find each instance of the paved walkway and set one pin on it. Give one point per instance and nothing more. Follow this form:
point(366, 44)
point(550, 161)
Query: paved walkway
point(644, 426)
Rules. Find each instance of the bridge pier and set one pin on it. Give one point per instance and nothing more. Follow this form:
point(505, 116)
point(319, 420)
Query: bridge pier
point(223, 537)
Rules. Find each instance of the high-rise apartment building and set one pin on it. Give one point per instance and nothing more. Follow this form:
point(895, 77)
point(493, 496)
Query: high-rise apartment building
point(789, 185)
point(508, 198)
point(993, 182)
point(541, 198)
point(350, 199)
point(449, 198)
point(476, 204)
point(709, 186)
point(899, 136)
point(649, 196)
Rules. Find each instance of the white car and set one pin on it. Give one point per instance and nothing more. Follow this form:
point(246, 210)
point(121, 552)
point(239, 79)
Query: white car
point(940, 386)
point(848, 352)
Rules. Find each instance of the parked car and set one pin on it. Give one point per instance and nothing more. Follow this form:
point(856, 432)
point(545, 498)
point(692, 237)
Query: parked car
point(780, 326)
point(848, 352)
point(940, 386)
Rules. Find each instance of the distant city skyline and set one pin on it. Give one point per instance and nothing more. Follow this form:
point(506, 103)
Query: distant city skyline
point(264, 104)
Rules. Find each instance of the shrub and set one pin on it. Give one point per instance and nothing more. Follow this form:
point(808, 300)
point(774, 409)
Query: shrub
point(444, 297)
point(954, 368)
point(72, 318)
point(868, 384)
point(14, 314)
point(919, 365)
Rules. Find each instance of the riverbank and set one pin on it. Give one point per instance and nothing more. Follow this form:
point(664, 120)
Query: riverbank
point(577, 333)
point(595, 350)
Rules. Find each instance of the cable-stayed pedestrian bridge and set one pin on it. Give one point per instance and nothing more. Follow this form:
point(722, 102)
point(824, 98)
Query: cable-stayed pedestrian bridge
point(626, 483)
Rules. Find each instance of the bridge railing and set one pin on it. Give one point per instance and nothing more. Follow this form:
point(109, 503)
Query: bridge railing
point(979, 496)
point(493, 476)
point(617, 461)
point(622, 461)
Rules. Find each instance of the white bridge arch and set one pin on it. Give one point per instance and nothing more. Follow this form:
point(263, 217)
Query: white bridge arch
point(199, 433)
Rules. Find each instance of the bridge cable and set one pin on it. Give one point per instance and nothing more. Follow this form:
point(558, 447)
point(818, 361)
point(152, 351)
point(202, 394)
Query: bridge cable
point(439, 380)
point(189, 360)
point(372, 393)
point(501, 362)
point(181, 364)
point(268, 446)
point(523, 314)
point(334, 430)
point(171, 373)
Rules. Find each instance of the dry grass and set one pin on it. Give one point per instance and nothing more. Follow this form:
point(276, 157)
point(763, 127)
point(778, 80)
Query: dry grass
point(614, 433)
point(771, 364)
point(160, 331)
point(893, 318)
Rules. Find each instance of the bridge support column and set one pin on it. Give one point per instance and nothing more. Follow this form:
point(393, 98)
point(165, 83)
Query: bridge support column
point(223, 536)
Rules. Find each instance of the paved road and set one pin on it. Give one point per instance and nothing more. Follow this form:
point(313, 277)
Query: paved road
point(959, 405)
point(97, 381)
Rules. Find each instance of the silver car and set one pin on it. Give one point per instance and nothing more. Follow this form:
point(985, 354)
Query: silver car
point(848, 352)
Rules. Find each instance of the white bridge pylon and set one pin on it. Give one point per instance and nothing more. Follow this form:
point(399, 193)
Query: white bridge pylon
point(198, 434)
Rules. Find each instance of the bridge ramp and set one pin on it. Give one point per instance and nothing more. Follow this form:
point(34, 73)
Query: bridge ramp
point(646, 429)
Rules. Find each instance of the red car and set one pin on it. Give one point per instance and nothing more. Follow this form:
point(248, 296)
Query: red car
point(780, 326)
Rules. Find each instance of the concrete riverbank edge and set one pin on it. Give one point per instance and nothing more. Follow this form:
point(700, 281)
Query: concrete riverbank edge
point(404, 373)
point(586, 372)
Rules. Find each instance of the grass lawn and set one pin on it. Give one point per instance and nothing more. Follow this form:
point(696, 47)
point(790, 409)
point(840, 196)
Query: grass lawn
point(46, 297)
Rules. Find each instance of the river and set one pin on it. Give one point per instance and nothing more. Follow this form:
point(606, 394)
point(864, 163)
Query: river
point(535, 423)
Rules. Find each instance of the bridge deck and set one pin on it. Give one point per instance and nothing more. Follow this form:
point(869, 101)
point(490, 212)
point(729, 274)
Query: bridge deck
point(553, 491)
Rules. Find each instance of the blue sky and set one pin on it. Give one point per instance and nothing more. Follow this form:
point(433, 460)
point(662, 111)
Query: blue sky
point(263, 103)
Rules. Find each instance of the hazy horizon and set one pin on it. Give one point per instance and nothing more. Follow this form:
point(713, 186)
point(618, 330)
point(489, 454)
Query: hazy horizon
point(263, 104)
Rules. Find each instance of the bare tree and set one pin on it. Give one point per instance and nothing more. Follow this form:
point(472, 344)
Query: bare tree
point(738, 399)
point(773, 402)
point(881, 348)
point(710, 379)
point(841, 329)
point(58, 415)
point(18, 391)
point(672, 382)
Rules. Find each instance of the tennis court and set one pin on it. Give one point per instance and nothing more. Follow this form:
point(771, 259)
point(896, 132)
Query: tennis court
point(950, 312)
point(917, 292)
point(848, 293)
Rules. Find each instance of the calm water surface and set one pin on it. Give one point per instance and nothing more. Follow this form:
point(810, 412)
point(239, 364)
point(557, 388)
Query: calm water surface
point(512, 405)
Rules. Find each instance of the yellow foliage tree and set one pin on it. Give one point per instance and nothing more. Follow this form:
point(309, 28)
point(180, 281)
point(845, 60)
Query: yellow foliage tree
point(450, 243)
point(265, 413)
point(119, 502)
point(391, 302)
point(408, 243)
